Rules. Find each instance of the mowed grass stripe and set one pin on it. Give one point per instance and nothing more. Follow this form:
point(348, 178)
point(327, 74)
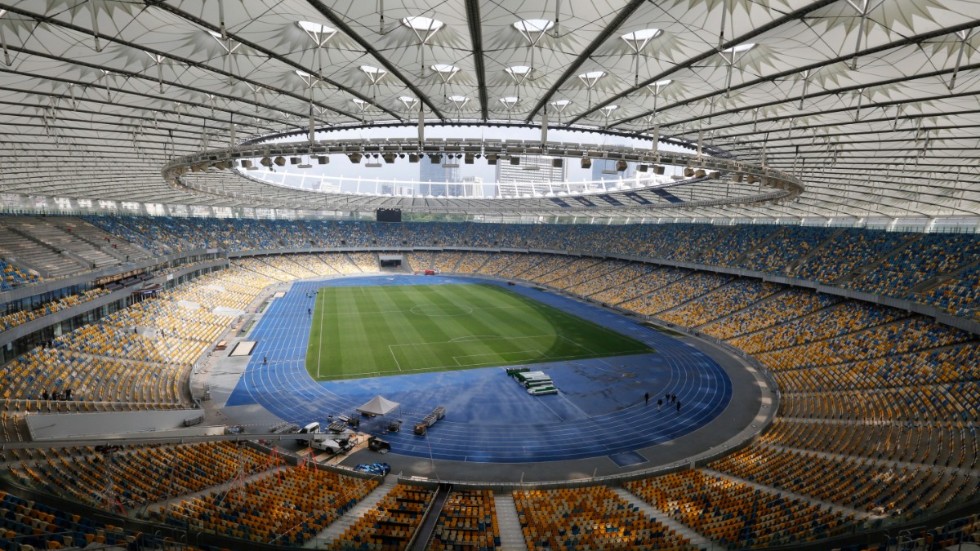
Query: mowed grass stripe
point(387, 330)
point(496, 331)
point(527, 332)
point(403, 333)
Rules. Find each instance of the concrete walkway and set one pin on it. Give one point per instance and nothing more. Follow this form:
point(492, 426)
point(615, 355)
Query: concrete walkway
point(511, 536)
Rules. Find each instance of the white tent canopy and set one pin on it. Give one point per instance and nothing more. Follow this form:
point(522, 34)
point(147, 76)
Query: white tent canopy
point(379, 405)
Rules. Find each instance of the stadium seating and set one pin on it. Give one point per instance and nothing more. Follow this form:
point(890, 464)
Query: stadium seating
point(285, 507)
point(11, 276)
point(590, 517)
point(26, 524)
point(848, 253)
point(959, 295)
point(390, 524)
point(719, 302)
point(930, 255)
point(863, 484)
point(131, 477)
point(468, 520)
point(889, 263)
point(736, 514)
point(20, 317)
point(682, 290)
point(878, 412)
point(781, 308)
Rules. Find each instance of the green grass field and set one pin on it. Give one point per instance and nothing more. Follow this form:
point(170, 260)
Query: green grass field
point(390, 330)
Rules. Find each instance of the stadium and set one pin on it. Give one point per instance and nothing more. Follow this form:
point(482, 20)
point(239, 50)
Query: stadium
point(462, 275)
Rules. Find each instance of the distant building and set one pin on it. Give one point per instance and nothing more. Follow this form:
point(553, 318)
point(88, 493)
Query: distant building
point(433, 177)
point(533, 175)
point(605, 169)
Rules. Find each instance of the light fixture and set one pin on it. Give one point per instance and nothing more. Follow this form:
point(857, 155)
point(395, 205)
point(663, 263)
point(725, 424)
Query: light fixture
point(355, 157)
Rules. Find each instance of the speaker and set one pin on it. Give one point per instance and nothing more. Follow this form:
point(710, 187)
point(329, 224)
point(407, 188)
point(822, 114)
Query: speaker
point(658, 169)
point(586, 162)
point(556, 163)
point(323, 159)
point(355, 157)
point(413, 157)
point(280, 161)
point(515, 160)
point(621, 165)
point(641, 168)
point(295, 160)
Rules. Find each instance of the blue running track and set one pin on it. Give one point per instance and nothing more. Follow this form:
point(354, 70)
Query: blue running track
point(599, 411)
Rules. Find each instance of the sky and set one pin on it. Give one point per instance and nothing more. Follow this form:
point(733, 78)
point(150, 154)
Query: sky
point(402, 175)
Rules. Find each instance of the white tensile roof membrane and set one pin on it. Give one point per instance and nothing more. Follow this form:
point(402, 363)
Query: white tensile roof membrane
point(872, 104)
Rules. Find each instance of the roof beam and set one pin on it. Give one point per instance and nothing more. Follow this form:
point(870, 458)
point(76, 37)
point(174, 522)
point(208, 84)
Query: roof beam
point(599, 40)
point(775, 23)
point(476, 40)
point(342, 25)
point(168, 55)
point(777, 76)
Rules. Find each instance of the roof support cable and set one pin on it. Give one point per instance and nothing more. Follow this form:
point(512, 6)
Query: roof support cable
point(863, 8)
point(554, 29)
point(3, 41)
point(899, 111)
point(721, 31)
point(221, 20)
point(860, 98)
point(806, 85)
point(964, 35)
point(94, 11)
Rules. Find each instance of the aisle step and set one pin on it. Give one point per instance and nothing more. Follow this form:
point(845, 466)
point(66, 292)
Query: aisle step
point(698, 540)
point(337, 527)
point(511, 537)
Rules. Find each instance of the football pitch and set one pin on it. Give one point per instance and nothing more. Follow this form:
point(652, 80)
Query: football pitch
point(390, 330)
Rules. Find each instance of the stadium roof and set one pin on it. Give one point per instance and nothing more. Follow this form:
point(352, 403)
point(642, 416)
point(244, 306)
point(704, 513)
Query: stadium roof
point(872, 104)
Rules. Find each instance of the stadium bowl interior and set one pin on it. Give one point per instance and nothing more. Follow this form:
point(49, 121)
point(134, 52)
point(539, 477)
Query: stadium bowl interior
point(468, 275)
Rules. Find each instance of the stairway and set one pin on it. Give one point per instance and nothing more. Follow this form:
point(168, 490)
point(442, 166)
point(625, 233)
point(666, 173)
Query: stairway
point(697, 539)
point(428, 526)
point(337, 527)
point(511, 536)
